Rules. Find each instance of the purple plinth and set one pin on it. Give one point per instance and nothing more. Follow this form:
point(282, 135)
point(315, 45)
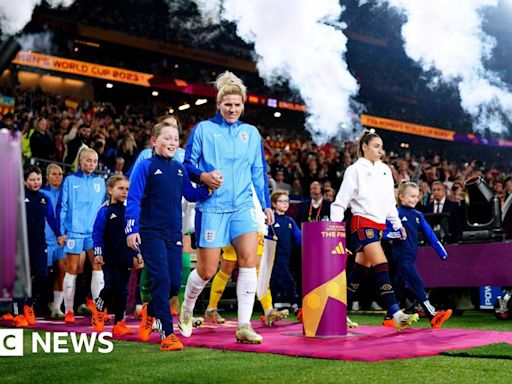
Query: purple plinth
point(323, 279)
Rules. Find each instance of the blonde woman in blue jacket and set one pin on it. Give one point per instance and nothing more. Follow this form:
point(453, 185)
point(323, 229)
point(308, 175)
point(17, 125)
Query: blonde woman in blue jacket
point(83, 193)
point(226, 155)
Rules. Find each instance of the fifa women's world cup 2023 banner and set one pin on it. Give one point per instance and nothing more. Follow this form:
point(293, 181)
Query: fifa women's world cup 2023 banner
point(324, 280)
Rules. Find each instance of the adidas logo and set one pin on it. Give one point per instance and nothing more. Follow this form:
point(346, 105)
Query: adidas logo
point(113, 216)
point(158, 172)
point(277, 225)
point(339, 250)
point(404, 218)
point(27, 200)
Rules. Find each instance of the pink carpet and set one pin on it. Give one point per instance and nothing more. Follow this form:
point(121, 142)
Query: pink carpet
point(364, 343)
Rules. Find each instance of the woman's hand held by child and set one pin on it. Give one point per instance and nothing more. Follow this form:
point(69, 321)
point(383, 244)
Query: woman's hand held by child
point(212, 179)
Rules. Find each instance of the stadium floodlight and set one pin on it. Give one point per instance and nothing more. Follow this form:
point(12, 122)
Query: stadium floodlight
point(277, 114)
point(109, 85)
point(201, 101)
point(154, 93)
point(483, 206)
point(184, 106)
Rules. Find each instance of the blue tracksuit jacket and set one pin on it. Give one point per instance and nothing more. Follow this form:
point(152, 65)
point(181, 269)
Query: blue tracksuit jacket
point(38, 207)
point(79, 202)
point(287, 233)
point(109, 238)
point(147, 153)
point(53, 196)
point(236, 151)
point(154, 201)
point(413, 221)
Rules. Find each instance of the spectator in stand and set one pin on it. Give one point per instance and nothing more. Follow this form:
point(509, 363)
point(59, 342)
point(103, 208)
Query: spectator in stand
point(83, 136)
point(329, 194)
point(281, 185)
point(440, 204)
point(425, 194)
point(296, 193)
point(118, 168)
point(316, 208)
point(59, 146)
point(312, 174)
point(128, 150)
point(42, 144)
point(508, 187)
point(8, 122)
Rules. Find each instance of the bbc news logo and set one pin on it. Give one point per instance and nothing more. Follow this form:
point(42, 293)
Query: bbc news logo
point(11, 342)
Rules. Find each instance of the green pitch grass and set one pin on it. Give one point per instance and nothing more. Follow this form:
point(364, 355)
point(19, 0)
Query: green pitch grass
point(144, 363)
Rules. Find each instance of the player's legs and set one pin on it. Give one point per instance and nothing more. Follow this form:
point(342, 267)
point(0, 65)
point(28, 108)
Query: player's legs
point(374, 254)
point(73, 250)
point(97, 280)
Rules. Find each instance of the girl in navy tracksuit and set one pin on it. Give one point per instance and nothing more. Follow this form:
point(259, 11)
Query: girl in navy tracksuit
point(112, 252)
point(404, 252)
point(38, 207)
point(153, 220)
point(288, 234)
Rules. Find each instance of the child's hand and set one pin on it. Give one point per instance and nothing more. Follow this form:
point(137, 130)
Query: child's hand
point(403, 233)
point(138, 262)
point(269, 216)
point(61, 240)
point(212, 179)
point(133, 241)
point(99, 260)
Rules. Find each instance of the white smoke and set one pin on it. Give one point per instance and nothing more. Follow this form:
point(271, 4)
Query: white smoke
point(15, 14)
point(299, 41)
point(447, 36)
point(40, 42)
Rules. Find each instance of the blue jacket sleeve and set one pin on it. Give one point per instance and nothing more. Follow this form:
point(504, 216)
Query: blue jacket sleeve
point(98, 231)
point(265, 178)
point(133, 202)
point(297, 234)
point(390, 233)
point(258, 175)
point(432, 238)
point(53, 222)
point(62, 204)
point(193, 154)
point(193, 194)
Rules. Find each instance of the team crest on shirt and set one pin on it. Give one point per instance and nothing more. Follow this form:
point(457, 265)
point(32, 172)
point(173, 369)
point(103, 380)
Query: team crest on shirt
point(180, 172)
point(70, 244)
point(244, 136)
point(290, 225)
point(369, 233)
point(43, 200)
point(97, 187)
point(209, 235)
point(417, 220)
